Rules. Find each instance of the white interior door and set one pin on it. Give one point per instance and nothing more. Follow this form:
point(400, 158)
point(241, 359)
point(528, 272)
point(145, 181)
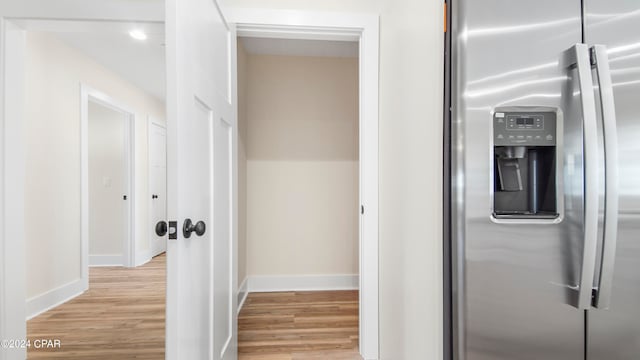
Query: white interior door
point(108, 177)
point(158, 183)
point(201, 154)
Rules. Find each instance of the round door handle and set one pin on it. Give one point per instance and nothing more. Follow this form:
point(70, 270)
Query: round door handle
point(188, 227)
point(161, 228)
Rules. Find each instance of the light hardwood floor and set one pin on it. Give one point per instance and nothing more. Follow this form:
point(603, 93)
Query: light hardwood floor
point(299, 325)
point(122, 316)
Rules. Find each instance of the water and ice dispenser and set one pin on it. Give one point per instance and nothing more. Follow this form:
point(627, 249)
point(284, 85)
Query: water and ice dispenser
point(525, 172)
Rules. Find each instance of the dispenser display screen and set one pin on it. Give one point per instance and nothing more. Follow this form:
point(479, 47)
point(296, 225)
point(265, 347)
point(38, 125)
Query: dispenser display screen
point(525, 122)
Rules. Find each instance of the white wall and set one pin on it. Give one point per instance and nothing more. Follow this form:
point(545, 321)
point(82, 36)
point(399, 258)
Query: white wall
point(52, 189)
point(107, 181)
point(302, 165)
point(123, 10)
point(411, 95)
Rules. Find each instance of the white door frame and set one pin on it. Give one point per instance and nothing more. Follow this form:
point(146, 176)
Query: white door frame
point(151, 121)
point(293, 24)
point(87, 95)
point(12, 153)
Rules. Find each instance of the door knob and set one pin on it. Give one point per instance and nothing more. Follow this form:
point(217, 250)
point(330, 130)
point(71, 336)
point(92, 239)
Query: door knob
point(154, 196)
point(188, 227)
point(161, 228)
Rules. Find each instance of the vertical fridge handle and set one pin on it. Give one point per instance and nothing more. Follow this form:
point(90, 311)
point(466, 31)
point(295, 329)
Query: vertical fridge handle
point(578, 57)
point(603, 295)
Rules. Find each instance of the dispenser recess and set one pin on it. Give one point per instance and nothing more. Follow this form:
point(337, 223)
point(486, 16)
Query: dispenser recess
point(525, 165)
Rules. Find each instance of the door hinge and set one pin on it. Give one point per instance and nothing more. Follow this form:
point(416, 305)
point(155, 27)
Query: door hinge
point(445, 17)
point(361, 209)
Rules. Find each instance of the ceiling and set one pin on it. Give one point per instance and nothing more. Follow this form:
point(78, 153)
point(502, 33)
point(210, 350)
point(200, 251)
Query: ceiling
point(290, 47)
point(142, 63)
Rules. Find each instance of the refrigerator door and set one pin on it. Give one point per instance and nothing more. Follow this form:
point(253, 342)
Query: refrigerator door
point(615, 333)
point(513, 283)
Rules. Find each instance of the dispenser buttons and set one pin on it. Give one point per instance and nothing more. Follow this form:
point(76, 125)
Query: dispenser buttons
point(524, 128)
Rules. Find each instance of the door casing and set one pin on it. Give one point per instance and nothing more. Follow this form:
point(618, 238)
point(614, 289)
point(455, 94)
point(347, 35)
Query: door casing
point(12, 155)
point(88, 94)
point(364, 28)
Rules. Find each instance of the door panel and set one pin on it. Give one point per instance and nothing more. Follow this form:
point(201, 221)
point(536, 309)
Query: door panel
point(195, 267)
point(513, 281)
point(201, 276)
point(158, 183)
point(223, 244)
point(615, 333)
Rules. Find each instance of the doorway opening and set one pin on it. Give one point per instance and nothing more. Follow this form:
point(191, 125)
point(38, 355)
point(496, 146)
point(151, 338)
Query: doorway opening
point(108, 175)
point(283, 29)
point(93, 96)
point(298, 194)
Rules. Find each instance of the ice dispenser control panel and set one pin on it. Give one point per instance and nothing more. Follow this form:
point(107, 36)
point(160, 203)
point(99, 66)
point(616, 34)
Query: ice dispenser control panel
point(525, 166)
point(524, 129)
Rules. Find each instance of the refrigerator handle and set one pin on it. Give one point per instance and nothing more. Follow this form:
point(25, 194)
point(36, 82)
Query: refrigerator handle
point(603, 294)
point(578, 57)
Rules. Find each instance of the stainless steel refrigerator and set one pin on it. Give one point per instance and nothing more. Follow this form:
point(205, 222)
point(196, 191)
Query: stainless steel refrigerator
point(543, 112)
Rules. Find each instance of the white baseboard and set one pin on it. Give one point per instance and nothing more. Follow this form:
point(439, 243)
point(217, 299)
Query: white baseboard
point(156, 252)
point(242, 293)
point(106, 260)
point(52, 298)
point(143, 257)
point(302, 283)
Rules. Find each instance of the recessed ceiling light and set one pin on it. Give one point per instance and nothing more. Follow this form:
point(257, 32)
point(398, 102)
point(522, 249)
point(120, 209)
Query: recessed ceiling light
point(138, 34)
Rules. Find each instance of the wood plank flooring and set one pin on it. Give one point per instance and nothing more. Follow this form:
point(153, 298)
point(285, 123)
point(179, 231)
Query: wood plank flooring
point(299, 325)
point(121, 316)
